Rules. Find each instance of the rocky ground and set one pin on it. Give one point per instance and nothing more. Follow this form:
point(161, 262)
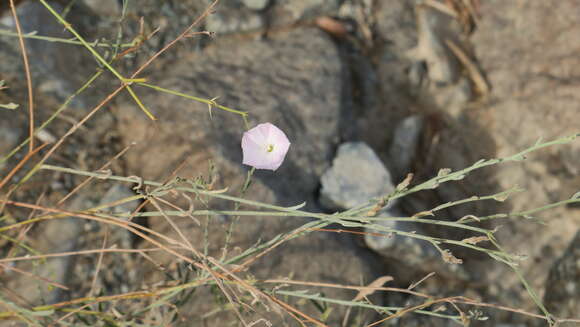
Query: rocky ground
point(390, 87)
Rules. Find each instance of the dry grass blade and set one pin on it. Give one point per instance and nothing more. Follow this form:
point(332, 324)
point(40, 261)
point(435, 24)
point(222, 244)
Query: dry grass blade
point(471, 67)
point(29, 274)
point(99, 262)
point(198, 254)
point(20, 164)
point(372, 287)
point(28, 76)
point(429, 275)
point(140, 231)
point(363, 293)
point(81, 252)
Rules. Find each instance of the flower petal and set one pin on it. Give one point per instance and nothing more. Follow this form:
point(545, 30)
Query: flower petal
point(256, 143)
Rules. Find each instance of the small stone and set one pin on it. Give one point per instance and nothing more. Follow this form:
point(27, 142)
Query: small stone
point(9, 135)
point(105, 8)
point(404, 146)
point(256, 4)
point(380, 240)
point(116, 193)
point(409, 250)
point(357, 175)
point(231, 20)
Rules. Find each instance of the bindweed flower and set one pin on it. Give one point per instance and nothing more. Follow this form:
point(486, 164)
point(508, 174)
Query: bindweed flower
point(264, 147)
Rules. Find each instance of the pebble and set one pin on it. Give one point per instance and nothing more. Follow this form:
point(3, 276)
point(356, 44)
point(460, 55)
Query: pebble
point(357, 175)
point(256, 4)
point(405, 141)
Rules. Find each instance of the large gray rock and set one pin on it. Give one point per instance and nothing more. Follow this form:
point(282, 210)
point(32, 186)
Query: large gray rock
point(63, 66)
point(357, 175)
point(300, 92)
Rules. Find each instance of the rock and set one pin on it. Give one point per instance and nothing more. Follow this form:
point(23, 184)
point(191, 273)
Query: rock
point(9, 134)
point(118, 192)
point(453, 98)
point(247, 15)
point(299, 93)
point(256, 4)
point(55, 66)
point(404, 145)
point(396, 23)
point(386, 92)
point(357, 175)
point(395, 246)
point(418, 255)
point(562, 294)
point(292, 11)
point(232, 17)
point(58, 235)
point(106, 9)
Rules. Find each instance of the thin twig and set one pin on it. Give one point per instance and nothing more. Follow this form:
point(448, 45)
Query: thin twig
point(20, 164)
point(99, 261)
point(29, 274)
point(28, 77)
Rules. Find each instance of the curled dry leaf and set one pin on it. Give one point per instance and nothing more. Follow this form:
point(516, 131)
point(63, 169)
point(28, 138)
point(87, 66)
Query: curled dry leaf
point(468, 217)
point(443, 172)
point(476, 239)
point(403, 185)
point(450, 258)
point(379, 282)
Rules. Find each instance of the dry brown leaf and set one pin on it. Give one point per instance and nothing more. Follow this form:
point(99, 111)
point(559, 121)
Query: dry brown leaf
point(379, 282)
point(403, 185)
point(476, 239)
point(450, 258)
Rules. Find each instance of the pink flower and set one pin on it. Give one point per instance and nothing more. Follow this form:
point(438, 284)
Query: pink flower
point(264, 147)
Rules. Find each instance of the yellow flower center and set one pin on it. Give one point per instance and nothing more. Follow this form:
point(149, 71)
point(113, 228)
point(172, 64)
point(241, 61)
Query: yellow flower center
point(270, 148)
